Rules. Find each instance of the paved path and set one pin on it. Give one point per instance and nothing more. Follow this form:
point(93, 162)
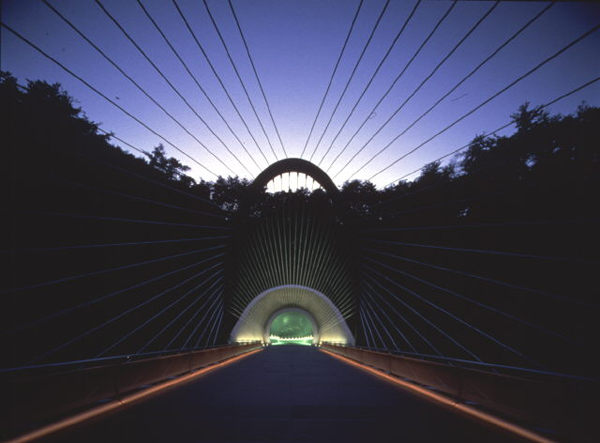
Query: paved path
point(287, 394)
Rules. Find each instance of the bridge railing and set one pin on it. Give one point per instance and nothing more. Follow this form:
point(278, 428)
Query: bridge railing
point(33, 396)
point(562, 406)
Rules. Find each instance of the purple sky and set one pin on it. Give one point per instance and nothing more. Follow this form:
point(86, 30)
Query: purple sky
point(295, 45)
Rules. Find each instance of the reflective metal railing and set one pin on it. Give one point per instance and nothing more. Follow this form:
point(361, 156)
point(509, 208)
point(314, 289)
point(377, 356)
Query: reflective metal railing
point(562, 407)
point(33, 396)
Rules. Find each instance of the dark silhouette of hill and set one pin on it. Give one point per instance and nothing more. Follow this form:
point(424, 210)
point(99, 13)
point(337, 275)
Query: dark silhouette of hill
point(511, 224)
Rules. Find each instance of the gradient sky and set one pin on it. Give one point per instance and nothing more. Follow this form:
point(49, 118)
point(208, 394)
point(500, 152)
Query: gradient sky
point(295, 45)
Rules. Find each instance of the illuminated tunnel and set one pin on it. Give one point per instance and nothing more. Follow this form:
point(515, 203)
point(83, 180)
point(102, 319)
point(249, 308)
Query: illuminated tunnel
point(292, 326)
point(328, 324)
point(292, 259)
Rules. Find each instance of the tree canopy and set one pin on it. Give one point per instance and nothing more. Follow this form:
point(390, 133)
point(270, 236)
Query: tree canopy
point(557, 156)
point(68, 188)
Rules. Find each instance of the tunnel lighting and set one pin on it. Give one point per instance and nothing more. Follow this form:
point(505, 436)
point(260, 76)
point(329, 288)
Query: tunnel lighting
point(304, 341)
point(249, 341)
point(291, 328)
point(321, 319)
point(291, 324)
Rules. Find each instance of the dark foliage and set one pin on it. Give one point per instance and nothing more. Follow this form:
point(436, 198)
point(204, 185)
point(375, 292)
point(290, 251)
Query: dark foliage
point(518, 212)
point(70, 198)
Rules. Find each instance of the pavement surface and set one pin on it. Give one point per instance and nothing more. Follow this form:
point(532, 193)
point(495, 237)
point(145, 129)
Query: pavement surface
point(284, 394)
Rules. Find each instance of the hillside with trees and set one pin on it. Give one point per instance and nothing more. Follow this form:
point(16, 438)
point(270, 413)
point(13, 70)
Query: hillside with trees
point(520, 209)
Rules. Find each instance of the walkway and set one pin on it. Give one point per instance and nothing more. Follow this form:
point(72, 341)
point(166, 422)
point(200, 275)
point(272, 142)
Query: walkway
point(287, 394)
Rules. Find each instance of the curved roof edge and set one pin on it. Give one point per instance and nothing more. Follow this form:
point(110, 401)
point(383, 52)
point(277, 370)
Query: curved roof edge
point(295, 165)
point(252, 323)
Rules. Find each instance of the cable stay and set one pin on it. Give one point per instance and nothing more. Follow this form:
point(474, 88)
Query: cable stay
point(463, 147)
point(414, 311)
point(483, 278)
point(335, 68)
point(112, 102)
point(144, 200)
point(216, 327)
point(239, 77)
point(362, 53)
point(393, 308)
point(504, 126)
point(175, 90)
point(128, 77)
point(107, 270)
point(111, 134)
point(470, 300)
point(114, 245)
point(153, 181)
point(189, 338)
point(429, 322)
point(396, 347)
point(110, 295)
point(486, 251)
point(181, 313)
point(365, 327)
point(368, 85)
point(425, 80)
point(389, 89)
point(466, 77)
point(216, 323)
point(218, 77)
point(158, 314)
point(213, 298)
point(489, 99)
point(484, 225)
point(126, 220)
point(262, 91)
point(115, 318)
point(369, 317)
point(456, 318)
point(195, 80)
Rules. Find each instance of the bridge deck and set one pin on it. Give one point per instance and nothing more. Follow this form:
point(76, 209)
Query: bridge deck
point(286, 393)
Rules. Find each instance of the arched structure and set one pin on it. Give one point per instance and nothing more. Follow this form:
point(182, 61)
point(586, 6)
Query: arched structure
point(274, 315)
point(328, 323)
point(295, 165)
point(288, 258)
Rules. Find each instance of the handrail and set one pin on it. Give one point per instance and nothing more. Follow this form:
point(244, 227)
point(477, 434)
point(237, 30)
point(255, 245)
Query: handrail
point(562, 405)
point(37, 395)
point(487, 365)
point(110, 358)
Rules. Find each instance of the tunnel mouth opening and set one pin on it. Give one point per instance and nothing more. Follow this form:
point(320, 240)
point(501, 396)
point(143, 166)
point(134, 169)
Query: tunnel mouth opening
point(291, 328)
point(328, 323)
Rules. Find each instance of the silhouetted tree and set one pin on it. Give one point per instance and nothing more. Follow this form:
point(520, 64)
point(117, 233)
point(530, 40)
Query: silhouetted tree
point(229, 192)
point(65, 184)
point(171, 167)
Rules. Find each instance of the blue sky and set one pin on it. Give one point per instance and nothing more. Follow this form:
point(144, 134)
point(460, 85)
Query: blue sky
point(295, 45)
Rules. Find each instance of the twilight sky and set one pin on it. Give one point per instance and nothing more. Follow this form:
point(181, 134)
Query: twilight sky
point(295, 44)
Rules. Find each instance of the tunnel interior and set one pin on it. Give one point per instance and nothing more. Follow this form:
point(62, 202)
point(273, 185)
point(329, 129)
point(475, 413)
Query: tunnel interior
point(291, 328)
point(312, 307)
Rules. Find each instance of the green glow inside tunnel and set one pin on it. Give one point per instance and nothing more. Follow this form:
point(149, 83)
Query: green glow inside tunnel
point(291, 328)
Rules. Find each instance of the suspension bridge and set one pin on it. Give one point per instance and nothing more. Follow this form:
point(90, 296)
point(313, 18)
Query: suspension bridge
point(141, 305)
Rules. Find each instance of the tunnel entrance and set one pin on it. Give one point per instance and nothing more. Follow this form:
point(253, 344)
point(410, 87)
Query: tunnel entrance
point(328, 323)
point(291, 328)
